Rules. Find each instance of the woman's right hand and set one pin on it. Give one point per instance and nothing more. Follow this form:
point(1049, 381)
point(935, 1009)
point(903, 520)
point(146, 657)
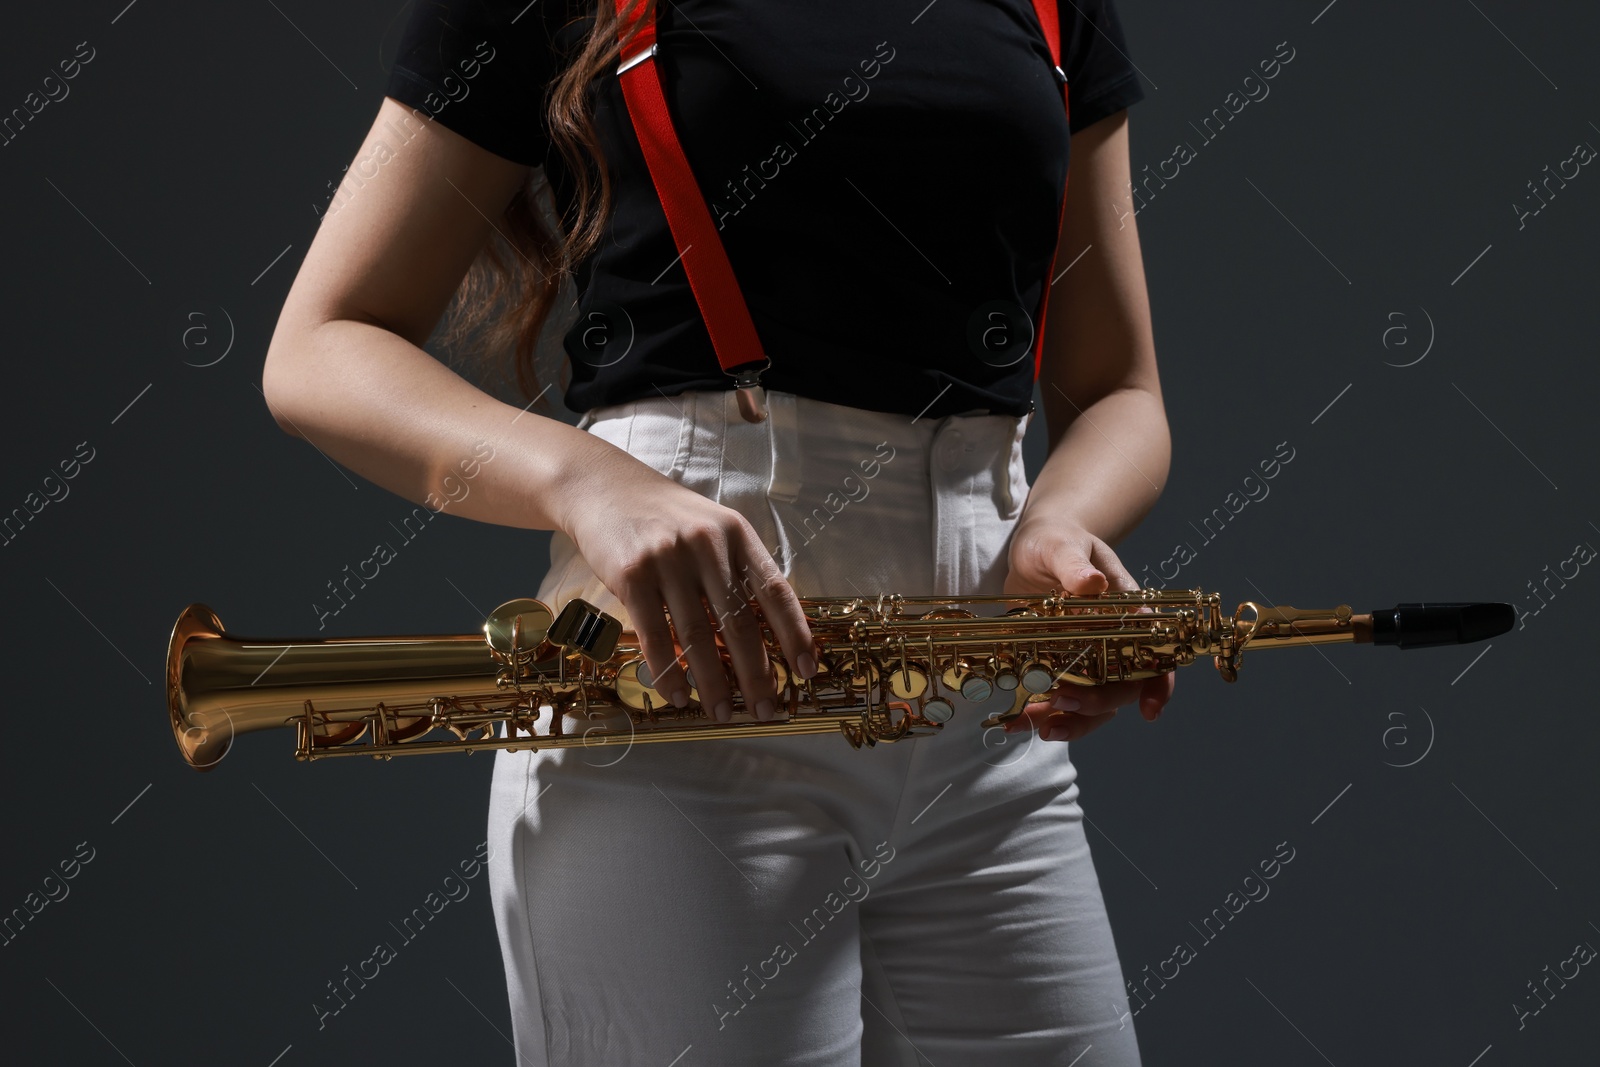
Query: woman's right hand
point(656, 544)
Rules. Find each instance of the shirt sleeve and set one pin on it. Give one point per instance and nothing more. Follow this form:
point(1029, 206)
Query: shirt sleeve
point(1101, 78)
point(480, 67)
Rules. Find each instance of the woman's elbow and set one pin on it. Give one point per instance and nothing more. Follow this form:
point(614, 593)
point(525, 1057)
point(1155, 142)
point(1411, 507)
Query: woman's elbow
point(283, 381)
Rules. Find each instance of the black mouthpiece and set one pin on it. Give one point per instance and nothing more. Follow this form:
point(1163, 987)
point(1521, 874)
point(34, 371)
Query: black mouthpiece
point(1421, 625)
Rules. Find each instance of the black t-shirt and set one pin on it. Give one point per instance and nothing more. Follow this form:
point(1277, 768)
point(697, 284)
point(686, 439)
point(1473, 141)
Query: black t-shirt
point(886, 178)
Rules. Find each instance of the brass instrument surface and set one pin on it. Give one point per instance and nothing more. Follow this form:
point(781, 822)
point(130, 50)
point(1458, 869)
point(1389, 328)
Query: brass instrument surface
point(888, 668)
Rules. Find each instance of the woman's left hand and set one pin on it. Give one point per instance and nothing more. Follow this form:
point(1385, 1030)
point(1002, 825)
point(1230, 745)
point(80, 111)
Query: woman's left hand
point(1050, 554)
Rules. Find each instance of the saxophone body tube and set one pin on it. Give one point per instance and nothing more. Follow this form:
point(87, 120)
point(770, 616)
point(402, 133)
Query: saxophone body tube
point(888, 669)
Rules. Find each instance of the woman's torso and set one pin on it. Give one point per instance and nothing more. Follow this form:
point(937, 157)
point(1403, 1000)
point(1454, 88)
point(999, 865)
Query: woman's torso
point(886, 179)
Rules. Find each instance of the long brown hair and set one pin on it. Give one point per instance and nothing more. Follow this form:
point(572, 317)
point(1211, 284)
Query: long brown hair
point(504, 303)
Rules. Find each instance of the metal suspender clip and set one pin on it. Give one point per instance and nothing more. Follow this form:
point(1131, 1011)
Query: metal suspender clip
point(641, 57)
point(748, 391)
point(1061, 75)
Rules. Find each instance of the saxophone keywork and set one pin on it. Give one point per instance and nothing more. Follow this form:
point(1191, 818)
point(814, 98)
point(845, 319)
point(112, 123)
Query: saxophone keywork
point(888, 668)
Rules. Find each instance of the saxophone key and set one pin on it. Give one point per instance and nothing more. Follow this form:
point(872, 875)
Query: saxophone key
point(1004, 672)
point(908, 682)
point(1037, 678)
point(518, 625)
point(973, 683)
point(859, 673)
point(633, 686)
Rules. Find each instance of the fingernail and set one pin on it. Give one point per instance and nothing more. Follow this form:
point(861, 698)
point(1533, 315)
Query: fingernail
point(680, 698)
point(765, 710)
point(807, 664)
point(1066, 703)
point(724, 711)
point(1152, 705)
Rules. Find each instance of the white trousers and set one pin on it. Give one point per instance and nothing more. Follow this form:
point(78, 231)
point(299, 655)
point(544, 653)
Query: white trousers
point(791, 900)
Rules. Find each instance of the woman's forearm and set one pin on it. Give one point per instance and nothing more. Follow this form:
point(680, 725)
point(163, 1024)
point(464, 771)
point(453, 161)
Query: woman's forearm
point(1106, 470)
point(373, 402)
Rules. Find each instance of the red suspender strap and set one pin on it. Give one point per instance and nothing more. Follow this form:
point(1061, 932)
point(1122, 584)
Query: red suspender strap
point(722, 305)
point(716, 291)
point(1047, 12)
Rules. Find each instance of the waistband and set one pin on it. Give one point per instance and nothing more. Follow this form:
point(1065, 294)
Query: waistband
point(953, 444)
point(794, 419)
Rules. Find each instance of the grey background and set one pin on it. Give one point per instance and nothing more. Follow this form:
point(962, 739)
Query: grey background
point(1378, 177)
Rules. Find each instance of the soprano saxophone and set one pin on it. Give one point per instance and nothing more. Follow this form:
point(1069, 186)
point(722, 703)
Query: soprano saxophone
point(888, 668)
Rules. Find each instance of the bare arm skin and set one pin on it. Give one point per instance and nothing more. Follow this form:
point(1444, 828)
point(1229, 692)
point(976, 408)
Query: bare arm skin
point(346, 371)
point(1110, 446)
